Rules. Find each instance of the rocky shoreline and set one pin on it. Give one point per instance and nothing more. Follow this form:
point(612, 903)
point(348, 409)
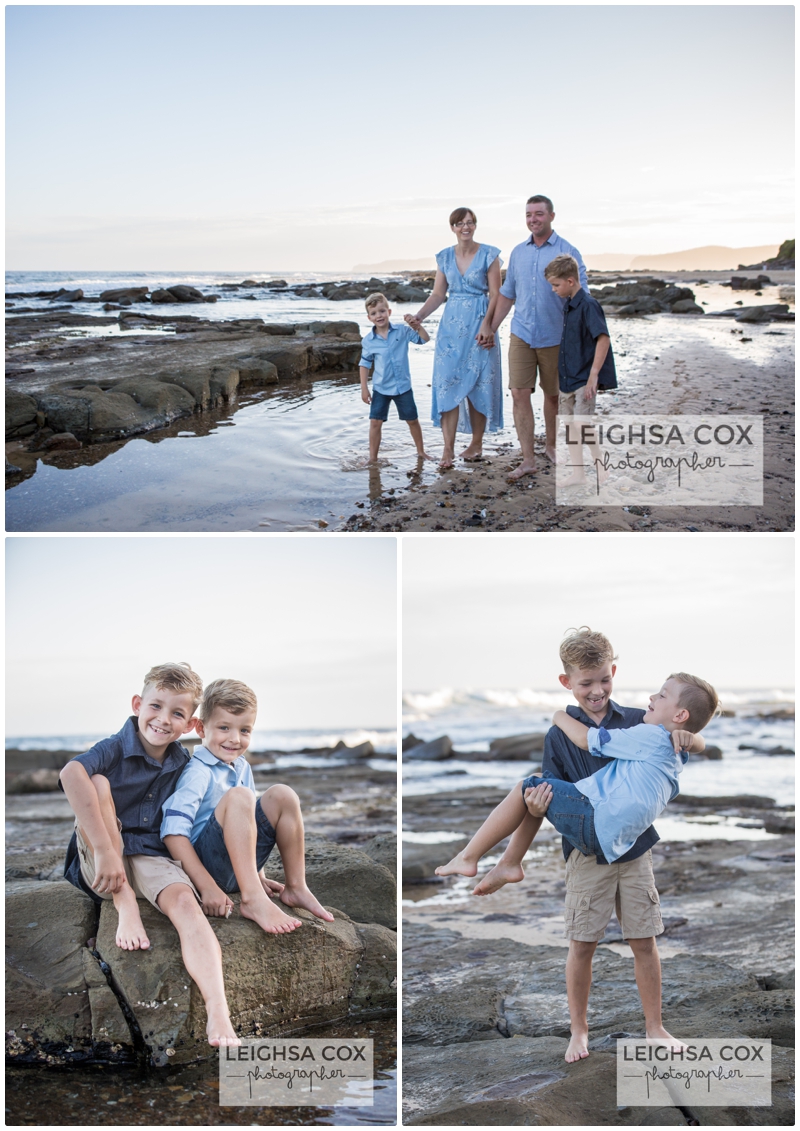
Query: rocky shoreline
point(485, 1017)
point(73, 997)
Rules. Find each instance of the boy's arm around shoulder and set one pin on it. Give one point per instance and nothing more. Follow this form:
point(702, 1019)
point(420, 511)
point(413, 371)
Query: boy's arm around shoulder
point(76, 782)
point(576, 732)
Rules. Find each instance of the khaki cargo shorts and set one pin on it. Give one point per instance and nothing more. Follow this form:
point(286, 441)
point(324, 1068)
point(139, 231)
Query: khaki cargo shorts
point(575, 404)
point(595, 891)
point(524, 362)
point(147, 875)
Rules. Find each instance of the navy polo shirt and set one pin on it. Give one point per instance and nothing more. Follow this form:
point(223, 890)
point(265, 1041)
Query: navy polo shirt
point(566, 761)
point(584, 321)
point(139, 786)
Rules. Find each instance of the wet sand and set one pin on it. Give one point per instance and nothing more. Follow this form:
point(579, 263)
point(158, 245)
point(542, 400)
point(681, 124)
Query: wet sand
point(707, 369)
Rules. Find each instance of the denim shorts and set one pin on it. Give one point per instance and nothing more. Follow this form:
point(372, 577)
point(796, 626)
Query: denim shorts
point(570, 812)
point(210, 847)
point(406, 405)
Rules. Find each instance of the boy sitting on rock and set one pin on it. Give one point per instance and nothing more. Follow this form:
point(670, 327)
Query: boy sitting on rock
point(222, 832)
point(116, 791)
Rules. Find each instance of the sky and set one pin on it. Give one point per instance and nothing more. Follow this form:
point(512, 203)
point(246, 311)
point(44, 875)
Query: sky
point(295, 618)
point(268, 138)
point(482, 613)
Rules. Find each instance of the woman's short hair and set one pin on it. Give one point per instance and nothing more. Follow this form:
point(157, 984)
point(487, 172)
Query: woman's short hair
point(461, 214)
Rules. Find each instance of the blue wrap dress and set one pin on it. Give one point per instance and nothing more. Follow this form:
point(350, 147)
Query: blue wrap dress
point(461, 369)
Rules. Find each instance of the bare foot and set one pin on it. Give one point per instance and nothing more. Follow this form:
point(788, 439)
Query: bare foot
point(219, 1030)
point(458, 866)
point(658, 1035)
point(302, 897)
point(550, 452)
point(523, 469)
point(472, 453)
point(501, 874)
point(269, 917)
point(578, 1047)
point(131, 934)
point(423, 455)
point(446, 461)
point(577, 479)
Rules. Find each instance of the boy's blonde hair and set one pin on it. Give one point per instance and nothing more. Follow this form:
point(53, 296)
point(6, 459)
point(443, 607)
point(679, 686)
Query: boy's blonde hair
point(697, 697)
point(562, 267)
point(175, 677)
point(584, 649)
point(229, 694)
point(374, 299)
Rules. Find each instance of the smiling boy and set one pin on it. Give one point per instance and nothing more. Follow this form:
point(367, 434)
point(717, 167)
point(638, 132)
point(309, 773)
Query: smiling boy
point(384, 350)
point(116, 791)
point(222, 832)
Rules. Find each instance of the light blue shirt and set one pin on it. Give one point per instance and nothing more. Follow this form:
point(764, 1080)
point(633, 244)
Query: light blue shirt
point(388, 358)
point(200, 789)
point(630, 792)
point(538, 311)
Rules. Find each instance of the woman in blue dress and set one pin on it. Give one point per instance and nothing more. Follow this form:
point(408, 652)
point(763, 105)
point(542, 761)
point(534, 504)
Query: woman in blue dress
point(467, 377)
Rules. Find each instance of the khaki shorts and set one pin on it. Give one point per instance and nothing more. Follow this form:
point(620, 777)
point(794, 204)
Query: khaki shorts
point(575, 404)
point(524, 362)
point(147, 875)
point(595, 891)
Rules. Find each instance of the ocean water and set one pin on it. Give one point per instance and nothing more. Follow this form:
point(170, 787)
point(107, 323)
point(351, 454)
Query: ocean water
point(473, 719)
point(290, 457)
point(289, 741)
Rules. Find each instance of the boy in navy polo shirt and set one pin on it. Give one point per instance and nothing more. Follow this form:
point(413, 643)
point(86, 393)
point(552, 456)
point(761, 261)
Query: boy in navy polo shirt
point(384, 350)
point(585, 358)
point(116, 791)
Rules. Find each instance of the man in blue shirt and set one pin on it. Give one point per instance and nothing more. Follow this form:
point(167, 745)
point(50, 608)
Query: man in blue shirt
point(384, 350)
point(535, 328)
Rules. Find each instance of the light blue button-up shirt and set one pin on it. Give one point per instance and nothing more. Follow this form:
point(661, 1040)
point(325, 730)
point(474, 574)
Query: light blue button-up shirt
point(630, 792)
point(538, 311)
point(388, 358)
point(200, 789)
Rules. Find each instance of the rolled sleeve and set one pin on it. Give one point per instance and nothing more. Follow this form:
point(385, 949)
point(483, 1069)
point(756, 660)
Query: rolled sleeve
point(628, 744)
point(367, 360)
point(598, 739)
point(180, 810)
point(509, 289)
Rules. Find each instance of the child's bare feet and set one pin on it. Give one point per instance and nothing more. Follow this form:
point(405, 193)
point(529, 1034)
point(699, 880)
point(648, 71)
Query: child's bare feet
point(458, 866)
point(131, 934)
point(577, 479)
point(302, 897)
point(219, 1030)
point(658, 1035)
point(423, 455)
point(501, 874)
point(269, 917)
point(578, 1047)
point(550, 452)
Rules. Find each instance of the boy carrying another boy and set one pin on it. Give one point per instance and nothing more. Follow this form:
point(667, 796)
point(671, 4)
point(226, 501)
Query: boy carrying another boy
point(585, 361)
point(626, 883)
point(222, 832)
point(384, 350)
point(116, 791)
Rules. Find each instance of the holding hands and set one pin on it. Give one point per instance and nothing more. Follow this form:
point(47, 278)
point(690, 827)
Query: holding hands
point(414, 321)
point(485, 338)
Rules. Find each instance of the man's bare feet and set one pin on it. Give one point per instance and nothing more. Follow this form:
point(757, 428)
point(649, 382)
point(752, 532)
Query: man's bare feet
point(302, 897)
point(501, 874)
point(219, 1030)
point(658, 1035)
point(578, 1047)
point(458, 866)
point(523, 469)
point(131, 934)
point(269, 917)
point(550, 452)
